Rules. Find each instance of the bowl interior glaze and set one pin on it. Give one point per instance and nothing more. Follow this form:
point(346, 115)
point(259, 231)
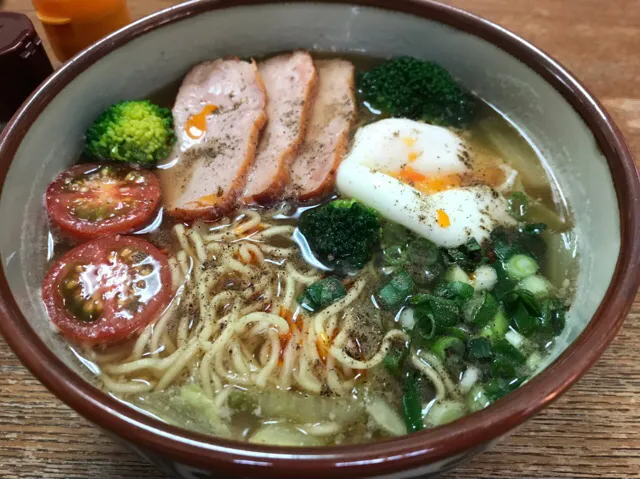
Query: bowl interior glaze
point(164, 54)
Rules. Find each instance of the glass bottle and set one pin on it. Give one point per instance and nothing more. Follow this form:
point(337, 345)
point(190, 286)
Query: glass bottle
point(73, 25)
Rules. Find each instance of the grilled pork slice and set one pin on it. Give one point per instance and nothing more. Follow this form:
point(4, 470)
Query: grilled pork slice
point(290, 80)
point(218, 115)
point(333, 113)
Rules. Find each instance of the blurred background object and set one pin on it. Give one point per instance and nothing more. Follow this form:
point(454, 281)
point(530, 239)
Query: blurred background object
point(23, 62)
point(72, 25)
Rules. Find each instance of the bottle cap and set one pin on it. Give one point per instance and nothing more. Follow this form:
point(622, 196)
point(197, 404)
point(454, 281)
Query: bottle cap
point(23, 62)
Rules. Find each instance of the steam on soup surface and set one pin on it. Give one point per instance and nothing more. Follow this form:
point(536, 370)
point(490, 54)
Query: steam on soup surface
point(309, 251)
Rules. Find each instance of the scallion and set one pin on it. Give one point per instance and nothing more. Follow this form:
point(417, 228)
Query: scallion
point(443, 312)
point(497, 328)
point(476, 399)
point(394, 360)
point(481, 309)
point(448, 346)
point(536, 284)
point(456, 290)
point(456, 274)
point(396, 290)
point(321, 294)
point(479, 349)
point(444, 412)
point(412, 402)
point(521, 266)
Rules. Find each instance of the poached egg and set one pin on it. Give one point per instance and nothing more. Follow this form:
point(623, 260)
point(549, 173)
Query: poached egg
point(423, 177)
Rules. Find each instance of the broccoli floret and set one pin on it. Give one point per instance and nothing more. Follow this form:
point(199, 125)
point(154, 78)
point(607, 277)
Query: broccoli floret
point(131, 131)
point(406, 87)
point(342, 233)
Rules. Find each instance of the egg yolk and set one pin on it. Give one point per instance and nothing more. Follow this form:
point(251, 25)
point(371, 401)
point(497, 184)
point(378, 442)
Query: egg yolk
point(410, 142)
point(196, 125)
point(425, 184)
point(206, 201)
point(443, 219)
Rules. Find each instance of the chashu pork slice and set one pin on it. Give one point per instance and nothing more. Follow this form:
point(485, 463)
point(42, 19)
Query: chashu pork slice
point(333, 113)
point(218, 115)
point(290, 81)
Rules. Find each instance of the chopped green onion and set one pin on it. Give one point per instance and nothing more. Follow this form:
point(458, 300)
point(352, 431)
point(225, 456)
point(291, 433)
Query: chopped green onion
point(472, 245)
point(481, 309)
point(476, 399)
point(524, 310)
point(396, 290)
point(497, 328)
point(536, 284)
point(444, 412)
point(524, 322)
point(484, 278)
point(443, 312)
point(504, 285)
point(412, 403)
point(406, 319)
point(499, 387)
point(515, 338)
point(507, 242)
point(521, 266)
point(518, 205)
point(503, 243)
point(456, 274)
point(504, 348)
point(425, 326)
point(394, 361)
point(458, 332)
point(456, 290)
point(501, 367)
point(524, 297)
point(479, 349)
point(447, 346)
point(468, 256)
point(321, 294)
point(552, 317)
point(534, 361)
point(506, 360)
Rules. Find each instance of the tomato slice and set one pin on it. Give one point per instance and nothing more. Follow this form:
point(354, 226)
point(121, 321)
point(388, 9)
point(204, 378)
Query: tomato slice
point(92, 200)
point(106, 290)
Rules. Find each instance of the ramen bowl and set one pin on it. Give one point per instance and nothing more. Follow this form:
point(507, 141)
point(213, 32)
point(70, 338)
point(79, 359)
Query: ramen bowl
point(586, 155)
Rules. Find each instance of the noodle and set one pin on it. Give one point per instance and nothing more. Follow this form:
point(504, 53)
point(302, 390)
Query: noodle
point(234, 322)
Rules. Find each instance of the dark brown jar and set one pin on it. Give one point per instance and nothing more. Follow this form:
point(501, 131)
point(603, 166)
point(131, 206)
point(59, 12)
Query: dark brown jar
point(23, 62)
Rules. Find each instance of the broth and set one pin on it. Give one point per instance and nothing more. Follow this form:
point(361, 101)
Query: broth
point(292, 377)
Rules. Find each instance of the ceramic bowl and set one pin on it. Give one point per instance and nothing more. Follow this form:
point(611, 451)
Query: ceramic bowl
point(585, 154)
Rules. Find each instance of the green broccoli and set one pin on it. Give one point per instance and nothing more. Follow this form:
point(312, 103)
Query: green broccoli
point(131, 131)
point(420, 90)
point(342, 233)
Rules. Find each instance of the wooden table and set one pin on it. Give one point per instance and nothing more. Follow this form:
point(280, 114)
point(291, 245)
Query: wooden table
point(593, 431)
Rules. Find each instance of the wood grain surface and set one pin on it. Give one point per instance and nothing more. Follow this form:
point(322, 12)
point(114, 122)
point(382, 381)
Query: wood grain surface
point(593, 431)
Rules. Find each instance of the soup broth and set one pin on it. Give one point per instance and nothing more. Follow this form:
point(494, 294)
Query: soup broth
point(266, 340)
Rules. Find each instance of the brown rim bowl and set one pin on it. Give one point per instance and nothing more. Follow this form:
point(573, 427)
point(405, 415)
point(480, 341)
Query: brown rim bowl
point(405, 17)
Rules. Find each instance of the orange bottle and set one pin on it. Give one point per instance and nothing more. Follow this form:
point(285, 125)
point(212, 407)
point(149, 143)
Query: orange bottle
point(72, 25)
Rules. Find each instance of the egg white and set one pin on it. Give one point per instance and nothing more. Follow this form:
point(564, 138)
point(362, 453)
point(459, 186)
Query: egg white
point(381, 147)
point(390, 144)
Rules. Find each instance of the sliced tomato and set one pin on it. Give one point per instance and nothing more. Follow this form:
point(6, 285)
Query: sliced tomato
point(106, 290)
point(92, 200)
